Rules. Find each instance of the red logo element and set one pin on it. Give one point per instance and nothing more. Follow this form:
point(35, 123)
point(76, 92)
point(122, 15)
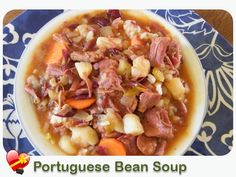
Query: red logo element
point(17, 162)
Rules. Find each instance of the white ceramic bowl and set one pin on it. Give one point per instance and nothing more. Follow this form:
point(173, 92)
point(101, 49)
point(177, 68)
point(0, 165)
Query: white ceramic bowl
point(25, 108)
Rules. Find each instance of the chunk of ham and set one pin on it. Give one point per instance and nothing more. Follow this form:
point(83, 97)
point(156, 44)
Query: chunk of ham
point(129, 142)
point(151, 145)
point(114, 102)
point(79, 93)
point(147, 145)
point(113, 134)
point(107, 63)
point(100, 150)
point(174, 53)
point(147, 100)
point(89, 56)
point(76, 84)
point(158, 50)
point(54, 70)
point(113, 14)
point(161, 146)
point(182, 109)
point(130, 102)
point(111, 100)
point(156, 123)
point(108, 78)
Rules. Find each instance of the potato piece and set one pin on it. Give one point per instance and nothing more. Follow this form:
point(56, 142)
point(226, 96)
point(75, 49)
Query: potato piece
point(83, 30)
point(56, 119)
point(148, 36)
point(84, 69)
point(131, 28)
point(106, 31)
point(128, 100)
point(168, 76)
point(140, 68)
point(106, 43)
point(132, 124)
point(176, 88)
point(112, 121)
point(158, 74)
point(124, 68)
point(67, 145)
point(84, 136)
point(83, 116)
point(90, 36)
point(115, 121)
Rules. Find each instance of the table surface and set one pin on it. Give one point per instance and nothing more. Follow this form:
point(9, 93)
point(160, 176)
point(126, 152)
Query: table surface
point(219, 19)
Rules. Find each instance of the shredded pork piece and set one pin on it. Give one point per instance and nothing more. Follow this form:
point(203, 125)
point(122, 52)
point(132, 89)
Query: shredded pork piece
point(90, 56)
point(156, 123)
point(158, 50)
point(148, 100)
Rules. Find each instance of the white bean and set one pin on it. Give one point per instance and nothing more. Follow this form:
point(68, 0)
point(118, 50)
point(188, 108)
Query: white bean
point(140, 68)
point(111, 121)
point(176, 88)
point(132, 124)
point(84, 136)
point(67, 145)
point(84, 69)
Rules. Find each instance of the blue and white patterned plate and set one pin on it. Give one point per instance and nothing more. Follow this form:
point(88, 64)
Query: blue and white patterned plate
point(215, 53)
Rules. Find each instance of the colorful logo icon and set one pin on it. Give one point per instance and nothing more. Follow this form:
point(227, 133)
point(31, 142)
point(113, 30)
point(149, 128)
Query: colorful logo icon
point(17, 162)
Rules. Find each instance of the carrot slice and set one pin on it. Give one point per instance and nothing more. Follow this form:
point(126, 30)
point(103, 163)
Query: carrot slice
point(113, 146)
point(80, 104)
point(136, 41)
point(55, 53)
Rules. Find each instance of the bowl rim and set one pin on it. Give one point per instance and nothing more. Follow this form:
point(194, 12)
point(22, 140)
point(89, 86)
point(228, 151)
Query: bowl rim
point(72, 13)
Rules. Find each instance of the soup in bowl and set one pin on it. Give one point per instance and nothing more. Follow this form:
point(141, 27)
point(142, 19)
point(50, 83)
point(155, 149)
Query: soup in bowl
point(110, 82)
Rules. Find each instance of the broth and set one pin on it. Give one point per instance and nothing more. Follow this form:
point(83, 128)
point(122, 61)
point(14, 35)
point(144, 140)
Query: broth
point(38, 62)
